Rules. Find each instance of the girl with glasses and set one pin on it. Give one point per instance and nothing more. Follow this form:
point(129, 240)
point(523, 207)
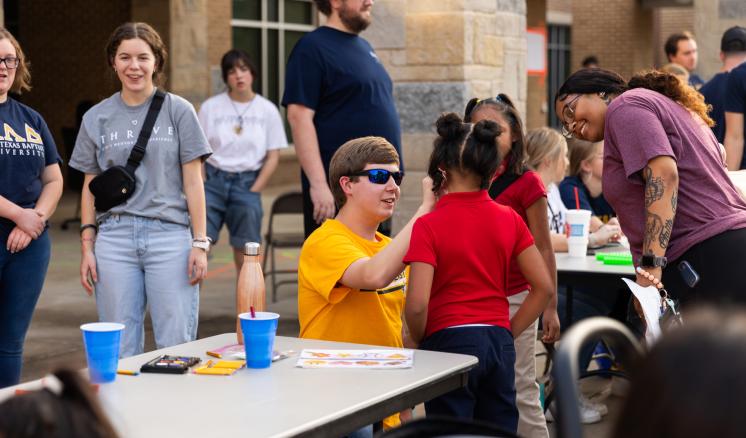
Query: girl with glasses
point(30, 187)
point(521, 189)
point(664, 176)
point(459, 257)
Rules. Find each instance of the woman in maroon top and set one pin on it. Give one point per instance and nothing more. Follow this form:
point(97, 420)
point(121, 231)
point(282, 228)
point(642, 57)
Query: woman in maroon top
point(664, 176)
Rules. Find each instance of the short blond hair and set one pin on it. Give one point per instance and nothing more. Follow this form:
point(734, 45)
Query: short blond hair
point(353, 156)
point(544, 144)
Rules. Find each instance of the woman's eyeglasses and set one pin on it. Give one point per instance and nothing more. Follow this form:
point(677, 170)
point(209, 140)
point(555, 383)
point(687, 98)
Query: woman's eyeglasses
point(568, 116)
point(380, 176)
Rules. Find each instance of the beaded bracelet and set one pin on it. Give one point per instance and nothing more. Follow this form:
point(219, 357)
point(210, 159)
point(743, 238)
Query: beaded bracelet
point(656, 281)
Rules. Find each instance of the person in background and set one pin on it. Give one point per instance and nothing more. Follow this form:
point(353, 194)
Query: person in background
point(351, 278)
point(246, 134)
point(681, 48)
point(546, 151)
point(336, 89)
point(664, 176)
point(678, 71)
point(590, 62)
point(65, 408)
point(585, 177)
point(690, 383)
point(459, 256)
point(141, 254)
point(734, 97)
point(30, 188)
point(521, 189)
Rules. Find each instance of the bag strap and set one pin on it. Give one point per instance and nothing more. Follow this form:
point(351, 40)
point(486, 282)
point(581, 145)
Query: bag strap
point(503, 182)
point(138, 151)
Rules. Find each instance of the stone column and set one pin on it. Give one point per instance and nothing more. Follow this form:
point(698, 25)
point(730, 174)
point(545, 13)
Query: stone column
point(183, 27)
point(440, 54)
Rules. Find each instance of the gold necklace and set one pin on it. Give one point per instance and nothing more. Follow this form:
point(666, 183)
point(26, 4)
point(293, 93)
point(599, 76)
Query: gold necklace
point(238, 129)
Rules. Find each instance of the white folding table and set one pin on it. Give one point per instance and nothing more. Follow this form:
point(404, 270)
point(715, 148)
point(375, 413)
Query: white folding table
point(279, 401)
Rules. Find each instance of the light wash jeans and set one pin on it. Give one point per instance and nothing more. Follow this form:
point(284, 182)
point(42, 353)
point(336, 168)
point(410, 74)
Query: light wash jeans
point(141, 262)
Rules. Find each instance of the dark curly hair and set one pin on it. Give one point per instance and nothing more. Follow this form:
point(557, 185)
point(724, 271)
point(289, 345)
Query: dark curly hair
point(466, 148)
point(503, 105)
point(598, 80)
point(73, 412)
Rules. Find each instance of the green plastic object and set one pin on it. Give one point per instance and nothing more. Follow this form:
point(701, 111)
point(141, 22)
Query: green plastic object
point(615, 258)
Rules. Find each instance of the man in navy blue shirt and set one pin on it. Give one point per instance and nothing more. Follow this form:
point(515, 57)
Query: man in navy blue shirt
point(681, 48)
point(734, 100)
point(336, 89)
point(732, 54)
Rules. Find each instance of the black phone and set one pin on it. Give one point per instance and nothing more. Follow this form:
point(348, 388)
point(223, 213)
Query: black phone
point(688, 274)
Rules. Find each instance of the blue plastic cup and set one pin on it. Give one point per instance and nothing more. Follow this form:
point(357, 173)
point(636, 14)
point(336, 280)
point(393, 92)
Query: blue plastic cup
point(101, 340)
point(259, 337)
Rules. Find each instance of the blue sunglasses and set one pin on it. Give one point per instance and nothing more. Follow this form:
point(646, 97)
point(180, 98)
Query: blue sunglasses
point(380, 176)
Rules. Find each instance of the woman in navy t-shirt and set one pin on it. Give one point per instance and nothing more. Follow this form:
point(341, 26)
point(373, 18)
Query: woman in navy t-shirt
point(30, 187)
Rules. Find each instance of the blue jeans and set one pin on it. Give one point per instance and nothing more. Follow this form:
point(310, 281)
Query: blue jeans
point(230, 201)
point(141, 262)
point(21, 280)
point(489, 394)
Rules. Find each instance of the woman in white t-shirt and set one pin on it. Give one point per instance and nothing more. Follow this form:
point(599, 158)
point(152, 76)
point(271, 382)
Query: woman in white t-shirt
point(246, 134)
point(547, 155)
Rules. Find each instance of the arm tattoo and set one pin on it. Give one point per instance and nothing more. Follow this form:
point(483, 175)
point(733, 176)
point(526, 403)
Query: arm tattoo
point(653, 227)
point(654, 186)
point(665, 234)
point(674, 200)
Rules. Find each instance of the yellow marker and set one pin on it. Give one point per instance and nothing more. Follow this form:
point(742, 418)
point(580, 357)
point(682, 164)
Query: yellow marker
point(128, 373)
point(213, 354)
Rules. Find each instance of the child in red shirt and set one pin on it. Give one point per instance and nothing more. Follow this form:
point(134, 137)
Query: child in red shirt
point(459, 258)
point(522, 189)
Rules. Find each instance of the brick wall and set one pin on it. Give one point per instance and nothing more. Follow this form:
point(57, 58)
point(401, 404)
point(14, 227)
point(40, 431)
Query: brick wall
point(559, 5)
point(65, 43)
point(668, 21)
point(621, 37)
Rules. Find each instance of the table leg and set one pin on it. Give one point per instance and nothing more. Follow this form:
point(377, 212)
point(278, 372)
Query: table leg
point(568, 304)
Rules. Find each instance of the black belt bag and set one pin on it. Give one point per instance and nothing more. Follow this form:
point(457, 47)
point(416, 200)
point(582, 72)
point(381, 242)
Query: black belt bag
point(116, 184)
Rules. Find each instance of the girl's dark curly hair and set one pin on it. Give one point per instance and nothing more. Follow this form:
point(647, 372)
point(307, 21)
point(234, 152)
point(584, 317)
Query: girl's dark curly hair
point(597, 80)
point(465, 148)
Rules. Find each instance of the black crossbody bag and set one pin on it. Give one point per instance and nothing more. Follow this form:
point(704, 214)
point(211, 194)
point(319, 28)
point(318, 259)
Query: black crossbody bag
point(116, 184)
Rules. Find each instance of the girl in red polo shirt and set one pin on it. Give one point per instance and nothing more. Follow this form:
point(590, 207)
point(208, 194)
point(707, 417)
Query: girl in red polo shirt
point(522, 189)
point(460, 256)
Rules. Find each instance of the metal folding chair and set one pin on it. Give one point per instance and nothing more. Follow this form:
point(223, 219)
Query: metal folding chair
point(565, 368)
point(286, 204)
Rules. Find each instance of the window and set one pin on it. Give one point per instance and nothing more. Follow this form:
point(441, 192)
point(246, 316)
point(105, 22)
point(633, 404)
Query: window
point(268, 31)
point(558, 54)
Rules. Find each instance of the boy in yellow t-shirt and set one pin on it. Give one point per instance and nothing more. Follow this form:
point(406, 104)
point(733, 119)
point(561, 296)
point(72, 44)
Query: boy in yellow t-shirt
point(351, 279)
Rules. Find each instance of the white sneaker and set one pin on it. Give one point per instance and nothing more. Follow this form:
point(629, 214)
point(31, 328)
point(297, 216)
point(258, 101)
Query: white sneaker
point(588, 415)
point(596, 406)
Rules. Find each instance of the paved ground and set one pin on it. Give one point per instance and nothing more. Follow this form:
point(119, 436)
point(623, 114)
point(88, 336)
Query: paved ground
point(54, 338)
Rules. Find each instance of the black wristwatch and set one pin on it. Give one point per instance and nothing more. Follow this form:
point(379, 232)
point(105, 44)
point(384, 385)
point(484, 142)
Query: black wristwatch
point(653, 261)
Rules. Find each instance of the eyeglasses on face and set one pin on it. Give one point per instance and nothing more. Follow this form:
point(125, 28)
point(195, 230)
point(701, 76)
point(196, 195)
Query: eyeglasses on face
point(10, 62)
point(380, 176)
point(568, 116)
